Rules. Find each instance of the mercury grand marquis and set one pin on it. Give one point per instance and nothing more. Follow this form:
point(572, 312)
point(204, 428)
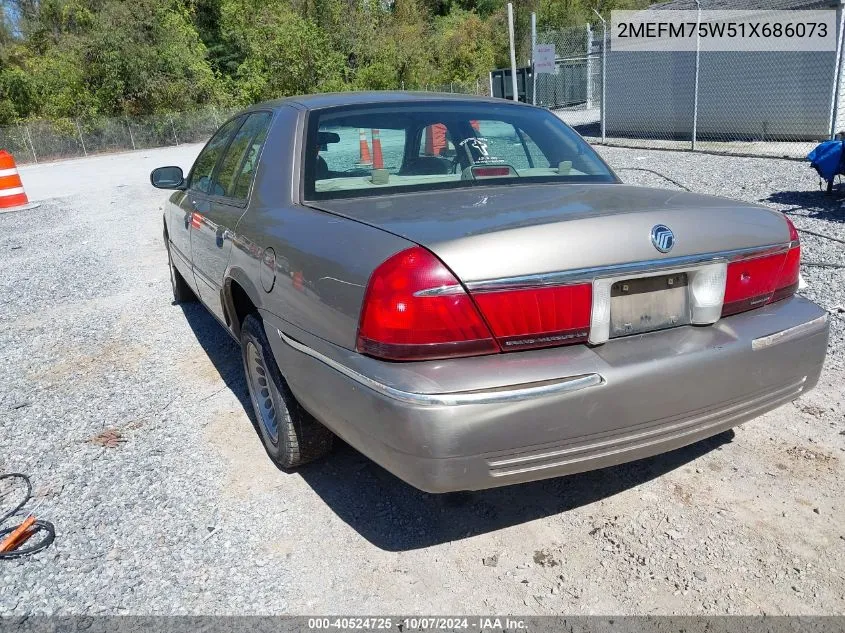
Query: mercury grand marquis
point(464, 291)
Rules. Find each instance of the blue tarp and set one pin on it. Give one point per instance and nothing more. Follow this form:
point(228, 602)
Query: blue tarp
point(826, 159)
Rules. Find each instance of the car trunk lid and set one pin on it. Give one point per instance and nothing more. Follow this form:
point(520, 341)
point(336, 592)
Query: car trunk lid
point(512, 231)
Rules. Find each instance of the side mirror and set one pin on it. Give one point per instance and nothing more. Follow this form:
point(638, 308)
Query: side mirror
point(167, 178)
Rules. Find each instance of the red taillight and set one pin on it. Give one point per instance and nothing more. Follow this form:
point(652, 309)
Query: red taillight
point(752, 283)
point(490, 172)
point(538, 317)
point(416, 309)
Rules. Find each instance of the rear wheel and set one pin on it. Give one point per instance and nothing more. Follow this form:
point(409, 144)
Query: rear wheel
point(291, 436)
point(182, 292)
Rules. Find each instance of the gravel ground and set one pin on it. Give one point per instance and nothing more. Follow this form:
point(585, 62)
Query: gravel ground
point(128, 413)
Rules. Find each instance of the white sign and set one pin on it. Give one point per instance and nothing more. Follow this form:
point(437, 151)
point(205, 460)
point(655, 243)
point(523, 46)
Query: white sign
point(544, 59)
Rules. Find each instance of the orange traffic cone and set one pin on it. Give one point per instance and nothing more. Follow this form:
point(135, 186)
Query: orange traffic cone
point(435, 139)
point(378, 159)
point(12, 195)
point(364, 158)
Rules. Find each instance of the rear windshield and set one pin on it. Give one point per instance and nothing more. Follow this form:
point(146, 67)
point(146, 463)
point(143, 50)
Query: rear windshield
point(385, 148)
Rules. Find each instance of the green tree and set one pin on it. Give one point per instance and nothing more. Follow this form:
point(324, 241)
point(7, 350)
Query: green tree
point(462, 46)
point(89, 57)
point(283, 52)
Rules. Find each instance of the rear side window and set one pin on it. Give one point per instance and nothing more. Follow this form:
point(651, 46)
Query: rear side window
point(353, 151)
point(237, 169)
point(200, 178)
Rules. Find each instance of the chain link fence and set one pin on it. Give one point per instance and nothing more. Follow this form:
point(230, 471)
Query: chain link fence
point(762, 103)
point(574, 90)
point(43, 140)
point(479, 87)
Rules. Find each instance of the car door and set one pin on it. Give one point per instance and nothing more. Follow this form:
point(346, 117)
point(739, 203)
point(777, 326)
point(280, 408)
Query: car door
point(226, 200)
point(186, 213)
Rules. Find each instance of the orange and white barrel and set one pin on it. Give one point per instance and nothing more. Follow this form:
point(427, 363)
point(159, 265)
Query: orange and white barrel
point(12, 194)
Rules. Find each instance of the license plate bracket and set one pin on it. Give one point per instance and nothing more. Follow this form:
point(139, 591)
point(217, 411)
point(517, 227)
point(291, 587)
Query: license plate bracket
point(647, 304)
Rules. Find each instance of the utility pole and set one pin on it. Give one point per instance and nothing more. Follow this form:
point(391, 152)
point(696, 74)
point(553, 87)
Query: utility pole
point(513, 52)
point(533, 61)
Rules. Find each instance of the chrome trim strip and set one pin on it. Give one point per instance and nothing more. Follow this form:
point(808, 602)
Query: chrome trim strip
point(501, 396)
point(440, 291)
point(788, 334)
point(581, 275)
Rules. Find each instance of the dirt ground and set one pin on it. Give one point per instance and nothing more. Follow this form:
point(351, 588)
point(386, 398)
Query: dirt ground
point(176, 509)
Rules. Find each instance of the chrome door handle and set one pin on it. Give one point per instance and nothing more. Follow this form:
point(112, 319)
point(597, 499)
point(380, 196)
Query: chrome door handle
point(222, 236)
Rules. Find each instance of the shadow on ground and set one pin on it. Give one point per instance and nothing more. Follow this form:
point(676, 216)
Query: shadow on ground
point(395, 516)
point(222, 350)
point(586, 130)
point(813, 204)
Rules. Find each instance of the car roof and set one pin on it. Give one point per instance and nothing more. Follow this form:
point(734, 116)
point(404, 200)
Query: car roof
point(332, 99)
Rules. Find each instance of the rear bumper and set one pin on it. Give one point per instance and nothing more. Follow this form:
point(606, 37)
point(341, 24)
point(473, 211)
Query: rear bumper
point(469, 424)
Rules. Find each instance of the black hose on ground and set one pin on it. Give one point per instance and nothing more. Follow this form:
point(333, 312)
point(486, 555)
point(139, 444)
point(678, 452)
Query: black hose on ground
point(822, 265)
point(46, 527)
point(656, 173)
point(822, 235)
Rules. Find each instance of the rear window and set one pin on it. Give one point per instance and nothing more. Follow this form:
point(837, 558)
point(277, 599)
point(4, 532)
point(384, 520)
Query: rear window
point(385, 148)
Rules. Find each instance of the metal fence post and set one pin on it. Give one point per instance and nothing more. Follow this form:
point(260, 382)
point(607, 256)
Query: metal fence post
point(603, 106)
point(131, 138)
point(29, 137)
point(173, 127)
point(589, 66)
point(533, 55)
point(837, 74)
point(697, 64)
point(81, 140)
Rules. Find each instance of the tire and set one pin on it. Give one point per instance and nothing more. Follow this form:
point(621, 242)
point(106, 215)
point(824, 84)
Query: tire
point(182, 292)
point(291, 436)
